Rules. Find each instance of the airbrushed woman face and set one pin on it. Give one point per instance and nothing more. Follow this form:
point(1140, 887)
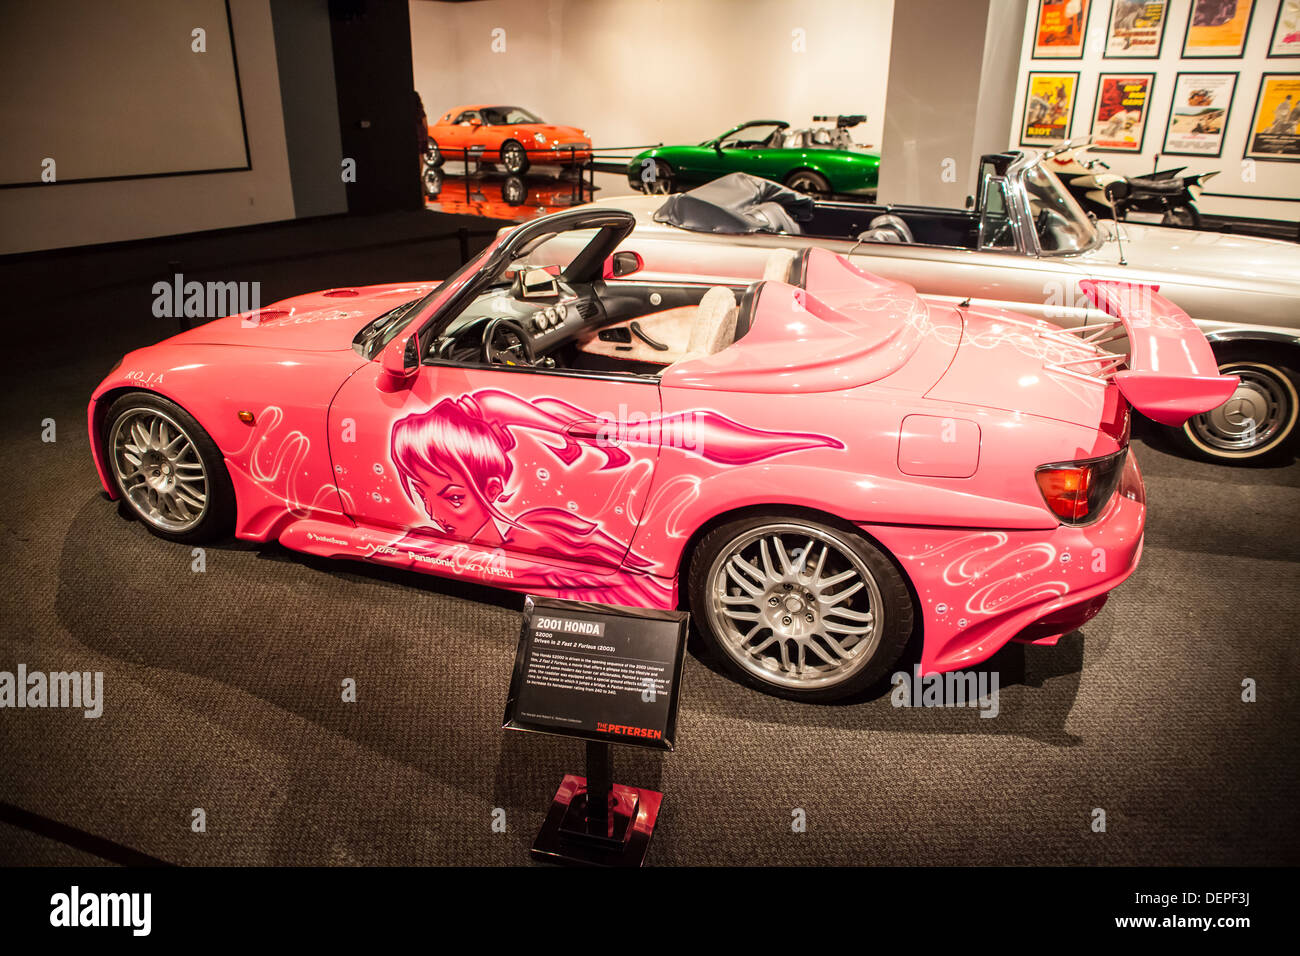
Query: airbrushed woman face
point(450, 502)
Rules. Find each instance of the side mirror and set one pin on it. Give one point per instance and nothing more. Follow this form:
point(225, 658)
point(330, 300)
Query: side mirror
point(399, 362)
point(622, 264)
point(475, 122)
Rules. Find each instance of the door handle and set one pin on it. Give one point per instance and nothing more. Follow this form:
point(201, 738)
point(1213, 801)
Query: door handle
point(600, 432)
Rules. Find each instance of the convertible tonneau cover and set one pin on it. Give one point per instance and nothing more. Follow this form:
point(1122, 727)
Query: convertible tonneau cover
point(737, 203)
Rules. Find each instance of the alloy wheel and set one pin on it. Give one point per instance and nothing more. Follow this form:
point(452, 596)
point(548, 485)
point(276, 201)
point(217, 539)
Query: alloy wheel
point(795, 606)
point(159, 470)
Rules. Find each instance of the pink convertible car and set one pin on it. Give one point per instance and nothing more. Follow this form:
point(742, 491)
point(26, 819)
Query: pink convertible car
point(817, 464)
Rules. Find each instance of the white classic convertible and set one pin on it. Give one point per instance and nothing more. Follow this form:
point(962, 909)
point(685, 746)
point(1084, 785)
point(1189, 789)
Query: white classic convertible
point(1024, 245)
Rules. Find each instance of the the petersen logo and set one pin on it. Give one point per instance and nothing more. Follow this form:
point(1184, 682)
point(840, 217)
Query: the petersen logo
point(74, 908)
point(620, 730)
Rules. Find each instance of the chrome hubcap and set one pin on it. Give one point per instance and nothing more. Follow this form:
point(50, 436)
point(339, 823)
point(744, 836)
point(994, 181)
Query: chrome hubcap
point(795, 606)
point(1261, 406)
point(159, 470)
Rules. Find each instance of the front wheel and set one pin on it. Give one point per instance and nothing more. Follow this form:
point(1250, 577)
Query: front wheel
point(433, 155)
point(513, 158)
point(798, 608)
point(167, 469)
point(1256, 425)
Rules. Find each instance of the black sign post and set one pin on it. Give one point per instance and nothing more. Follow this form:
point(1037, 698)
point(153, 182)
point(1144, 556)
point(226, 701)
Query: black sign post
point(606, 675)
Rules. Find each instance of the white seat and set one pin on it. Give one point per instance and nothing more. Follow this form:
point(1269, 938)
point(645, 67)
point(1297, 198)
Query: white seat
point(700, 329)
point(780, 263)
point(715, 323)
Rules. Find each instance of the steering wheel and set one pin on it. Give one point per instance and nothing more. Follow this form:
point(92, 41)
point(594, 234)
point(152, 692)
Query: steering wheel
point(1048, 221)
point(505, 342)
point(998, 233)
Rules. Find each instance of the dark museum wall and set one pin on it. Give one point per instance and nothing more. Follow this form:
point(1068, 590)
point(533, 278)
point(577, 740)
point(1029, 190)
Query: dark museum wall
point(377, 115)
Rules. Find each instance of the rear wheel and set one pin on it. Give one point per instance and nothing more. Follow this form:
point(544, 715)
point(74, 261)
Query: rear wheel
point(167, 469)
point(799, 608)
point(809, 182)
point(513, 158)
point(1257, 425)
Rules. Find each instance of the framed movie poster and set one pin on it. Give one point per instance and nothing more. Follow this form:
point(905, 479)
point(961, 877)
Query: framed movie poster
point(1061, 28)
point(1049, 108)
point(1275, 127)
point(1218, 28)
point(1119, 120)
point(1137, 29)
point(1286, 30)
point(1199, 113)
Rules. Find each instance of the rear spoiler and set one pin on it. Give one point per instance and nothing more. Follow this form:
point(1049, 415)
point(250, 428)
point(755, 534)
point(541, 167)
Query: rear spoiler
point(1171, 371)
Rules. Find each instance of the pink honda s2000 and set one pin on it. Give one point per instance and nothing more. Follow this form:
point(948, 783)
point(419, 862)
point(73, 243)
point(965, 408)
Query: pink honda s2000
point(817, 463)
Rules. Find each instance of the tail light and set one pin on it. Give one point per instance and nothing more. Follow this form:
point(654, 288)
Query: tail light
point(1078, 491)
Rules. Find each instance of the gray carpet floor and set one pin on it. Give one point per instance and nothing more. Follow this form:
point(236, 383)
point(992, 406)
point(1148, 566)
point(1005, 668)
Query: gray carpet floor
point(223, 688)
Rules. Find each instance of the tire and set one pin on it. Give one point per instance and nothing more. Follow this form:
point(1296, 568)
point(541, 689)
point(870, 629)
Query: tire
point(433, 179)
point(798, 648)
point(809, 182)
point(433, 157)
point(186, 495)
point(514, 190)
point(1257, 425)
point(1183, 216)
point(514, 158)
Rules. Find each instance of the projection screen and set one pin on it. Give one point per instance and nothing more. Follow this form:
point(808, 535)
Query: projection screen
point(117, 90)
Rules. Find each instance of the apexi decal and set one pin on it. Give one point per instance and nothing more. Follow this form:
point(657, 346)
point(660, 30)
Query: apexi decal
point(620, 730)
point(75, 908)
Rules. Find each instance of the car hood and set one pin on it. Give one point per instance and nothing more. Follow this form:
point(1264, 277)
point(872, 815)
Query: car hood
point(562, 134)
point(316, 322)
point(1208, 258)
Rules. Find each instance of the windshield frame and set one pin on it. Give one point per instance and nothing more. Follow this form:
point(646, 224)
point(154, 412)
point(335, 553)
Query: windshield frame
point(534, 121)
point(1016, 175)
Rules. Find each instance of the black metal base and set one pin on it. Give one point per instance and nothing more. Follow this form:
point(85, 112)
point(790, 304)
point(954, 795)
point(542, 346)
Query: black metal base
point(571, 834)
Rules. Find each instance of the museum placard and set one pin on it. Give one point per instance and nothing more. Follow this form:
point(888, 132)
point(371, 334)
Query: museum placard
point(598, 672)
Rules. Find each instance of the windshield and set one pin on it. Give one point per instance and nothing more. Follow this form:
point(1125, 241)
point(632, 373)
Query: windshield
point(748, 137)
point(507, 116)
point(1062, 227)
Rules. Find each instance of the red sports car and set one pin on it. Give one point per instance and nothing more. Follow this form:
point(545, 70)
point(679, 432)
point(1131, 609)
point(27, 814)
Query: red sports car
point(509, 135)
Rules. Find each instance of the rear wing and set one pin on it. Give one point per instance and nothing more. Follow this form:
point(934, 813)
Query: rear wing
point(1170, 373)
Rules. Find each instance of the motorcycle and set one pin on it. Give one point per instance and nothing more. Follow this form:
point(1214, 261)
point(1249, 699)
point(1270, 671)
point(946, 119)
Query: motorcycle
point(1166, 196)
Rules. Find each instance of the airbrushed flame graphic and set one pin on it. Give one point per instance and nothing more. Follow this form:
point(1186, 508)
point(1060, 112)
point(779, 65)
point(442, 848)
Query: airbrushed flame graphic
point(457, 461)
point(1005, 577)
point(276, 463)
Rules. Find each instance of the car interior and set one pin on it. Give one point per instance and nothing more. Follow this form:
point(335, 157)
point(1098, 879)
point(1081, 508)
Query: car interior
point(537, 317)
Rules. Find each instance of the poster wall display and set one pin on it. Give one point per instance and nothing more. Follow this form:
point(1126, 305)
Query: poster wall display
point(1137, 29)
point(1049, 108)
point(1275, 127)
point(1119, 119)
point(1286, 30)
point(1199, 112)
point(1218, 28)
point(1062, 25)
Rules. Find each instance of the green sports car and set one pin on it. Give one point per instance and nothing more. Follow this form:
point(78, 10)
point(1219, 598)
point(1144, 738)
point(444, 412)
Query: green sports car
point(818, 160)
